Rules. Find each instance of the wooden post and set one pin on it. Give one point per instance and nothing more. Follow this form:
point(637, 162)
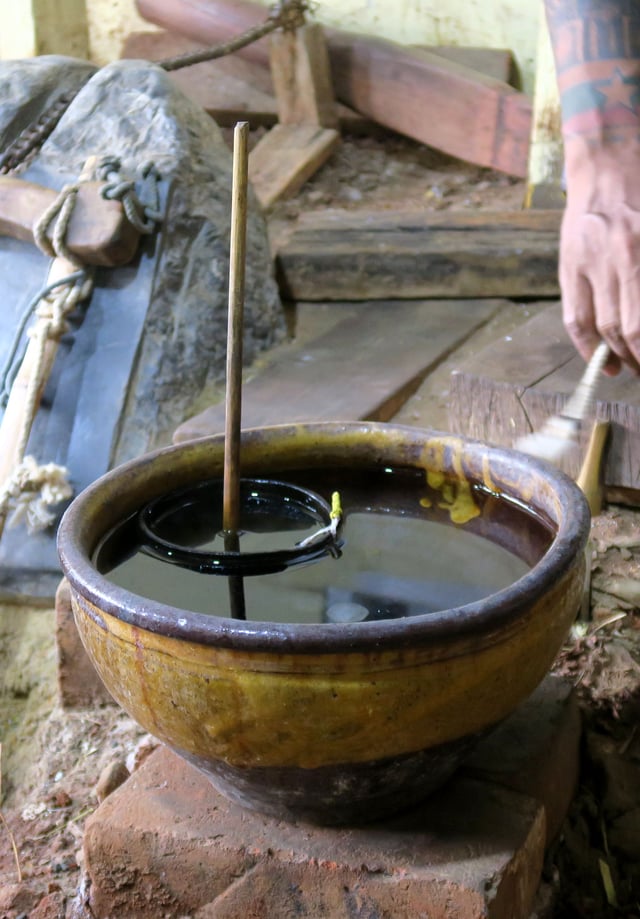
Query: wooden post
point(302, 77)
point(306, 134)
point(546, 154)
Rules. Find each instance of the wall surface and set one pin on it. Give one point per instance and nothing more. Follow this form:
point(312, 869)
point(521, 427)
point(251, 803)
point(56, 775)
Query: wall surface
point(32, 27)
point(487, 23)
point(110, 21)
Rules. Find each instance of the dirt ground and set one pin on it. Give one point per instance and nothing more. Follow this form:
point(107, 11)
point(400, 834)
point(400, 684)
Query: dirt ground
point(52, 760)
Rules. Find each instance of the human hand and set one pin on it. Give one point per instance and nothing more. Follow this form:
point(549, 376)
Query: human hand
point(600, 261)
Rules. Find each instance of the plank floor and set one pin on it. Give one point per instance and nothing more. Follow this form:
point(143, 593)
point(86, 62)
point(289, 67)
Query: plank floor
point(515, 384)
point(364, 367)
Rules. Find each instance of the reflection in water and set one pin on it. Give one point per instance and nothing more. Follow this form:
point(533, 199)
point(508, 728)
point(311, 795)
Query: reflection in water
point(401, 557)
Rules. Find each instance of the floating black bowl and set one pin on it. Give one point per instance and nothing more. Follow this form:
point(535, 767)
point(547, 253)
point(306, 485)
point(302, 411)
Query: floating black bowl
point(183, 526)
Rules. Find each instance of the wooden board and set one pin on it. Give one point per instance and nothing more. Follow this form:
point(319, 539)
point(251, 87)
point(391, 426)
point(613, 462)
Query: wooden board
point(433, 100)
point(299, 65)
point(344, 255)
point(422, 95)
point(497, 63)
point(229, 89)
point(288, 155)
point(512, 387)
point(364, 368)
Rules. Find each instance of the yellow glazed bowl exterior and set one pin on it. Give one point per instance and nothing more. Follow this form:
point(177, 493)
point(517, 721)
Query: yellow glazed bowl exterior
point(273, 711)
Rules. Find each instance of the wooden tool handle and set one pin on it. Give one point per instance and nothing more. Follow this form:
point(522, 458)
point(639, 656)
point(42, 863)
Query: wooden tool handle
point(98, 232)
point(590, 476)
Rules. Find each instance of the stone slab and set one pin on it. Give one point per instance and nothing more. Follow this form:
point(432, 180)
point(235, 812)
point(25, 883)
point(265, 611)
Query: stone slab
point(166, 843)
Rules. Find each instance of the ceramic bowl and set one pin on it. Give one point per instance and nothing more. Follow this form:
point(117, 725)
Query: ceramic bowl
point(337, 722)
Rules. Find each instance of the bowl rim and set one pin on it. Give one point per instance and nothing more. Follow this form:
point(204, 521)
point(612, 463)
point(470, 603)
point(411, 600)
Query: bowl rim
point(502, 610)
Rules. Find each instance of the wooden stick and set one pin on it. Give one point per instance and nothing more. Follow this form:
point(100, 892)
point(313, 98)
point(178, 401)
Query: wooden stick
point(590, 476)
point(590, 481)
point(233, 401)
point(235, 326)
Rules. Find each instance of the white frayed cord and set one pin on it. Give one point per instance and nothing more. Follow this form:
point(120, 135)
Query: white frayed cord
point(331, 530)
point(31, 491)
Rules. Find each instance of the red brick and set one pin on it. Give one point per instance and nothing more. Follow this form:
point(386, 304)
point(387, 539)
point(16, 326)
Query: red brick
point(166, 843)
point(536, 751)
point(79, 685)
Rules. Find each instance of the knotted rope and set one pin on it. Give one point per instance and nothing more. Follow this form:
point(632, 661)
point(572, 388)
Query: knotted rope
point(31, 490)
point(59, 214)
point(142, 210)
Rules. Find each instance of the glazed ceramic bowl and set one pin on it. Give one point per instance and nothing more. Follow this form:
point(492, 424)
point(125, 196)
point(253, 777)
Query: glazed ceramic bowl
point(338, 722)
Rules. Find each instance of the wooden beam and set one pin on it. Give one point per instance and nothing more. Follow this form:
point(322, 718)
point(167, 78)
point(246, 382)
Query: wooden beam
point(363, 368)
point(345, 255)
point(497, 63)
point(433, 100)
point(424, 96)
point(512, 387)
point(293, 150)
point(301, 77)
point(546, 151)
point(231, 88)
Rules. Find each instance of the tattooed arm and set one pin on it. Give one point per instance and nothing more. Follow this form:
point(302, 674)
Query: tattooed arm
point(597, 50)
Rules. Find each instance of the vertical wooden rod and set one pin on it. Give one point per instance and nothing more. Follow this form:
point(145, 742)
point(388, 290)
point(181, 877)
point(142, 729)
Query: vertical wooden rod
point(233, 402)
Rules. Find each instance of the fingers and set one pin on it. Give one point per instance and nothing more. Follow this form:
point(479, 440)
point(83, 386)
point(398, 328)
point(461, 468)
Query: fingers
point(600, 289)
point(628, 258)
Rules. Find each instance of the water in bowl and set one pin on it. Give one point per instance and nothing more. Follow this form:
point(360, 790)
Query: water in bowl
point(409, 547)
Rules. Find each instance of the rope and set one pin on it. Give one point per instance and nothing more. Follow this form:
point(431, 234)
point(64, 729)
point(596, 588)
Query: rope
point(288, 15)
point(59, 214)
point(142, 211)
point(31, 490)
point(12, 363)
point(29, 141)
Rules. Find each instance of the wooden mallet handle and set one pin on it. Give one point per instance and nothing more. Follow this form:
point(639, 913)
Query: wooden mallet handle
point(98, 232)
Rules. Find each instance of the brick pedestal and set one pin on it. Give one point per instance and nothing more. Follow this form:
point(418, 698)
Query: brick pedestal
point(167, 844)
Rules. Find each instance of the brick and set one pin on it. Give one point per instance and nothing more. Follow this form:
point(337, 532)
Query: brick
point(79, 685)
point(166, 843)
point(536, 751)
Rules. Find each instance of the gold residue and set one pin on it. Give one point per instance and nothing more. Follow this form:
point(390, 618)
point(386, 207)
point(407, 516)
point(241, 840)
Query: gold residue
point(456, 495)
point(435, 479)
point(486, 476)
point(462, 508)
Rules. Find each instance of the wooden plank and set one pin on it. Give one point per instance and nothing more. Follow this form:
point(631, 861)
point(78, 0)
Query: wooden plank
point(345, 255)
point(470, 116)
point(226, 88)
point(306, 136)
point(512, 387)
point(230, 89)
point(365, 367)
point(422, 95)
point(302, 78)
point(497, 63)
point(288, 155)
